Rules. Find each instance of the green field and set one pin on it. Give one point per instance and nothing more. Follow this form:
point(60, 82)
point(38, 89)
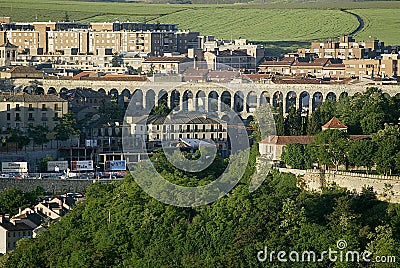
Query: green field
point(257, 22)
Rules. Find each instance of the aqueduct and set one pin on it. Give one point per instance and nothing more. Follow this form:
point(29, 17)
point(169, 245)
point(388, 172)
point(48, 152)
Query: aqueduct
point(242, 97)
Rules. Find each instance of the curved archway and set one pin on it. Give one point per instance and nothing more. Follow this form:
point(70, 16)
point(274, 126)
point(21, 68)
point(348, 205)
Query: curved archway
point(150, 99)
point(225, 101)
point(28, 90)
point(213, 101)
point(251, 102)
point(102, 91)
point(277, 99)
point(343, 95)
point(331, 96)
point(63, 90)
point(114, 93)
point(265, 98)
point(126, 93)
point(291, 98)
point(137, 99)
point(238, 101)
point(174, 99)
point(52, 91)
point(162, 98)
point(304, 102)
point(317, 100)
point(201, 101)
point(187, 104)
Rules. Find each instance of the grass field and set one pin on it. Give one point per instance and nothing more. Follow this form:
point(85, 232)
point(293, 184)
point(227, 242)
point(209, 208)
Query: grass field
point(257, 22)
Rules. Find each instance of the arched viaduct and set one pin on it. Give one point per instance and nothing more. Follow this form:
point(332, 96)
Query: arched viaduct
point(242, 97)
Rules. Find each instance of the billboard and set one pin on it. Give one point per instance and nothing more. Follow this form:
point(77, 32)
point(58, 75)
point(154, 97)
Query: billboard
point(91, 143)
point(14, 167)
point(57, 165)
point(82, 165)
point(116, 165)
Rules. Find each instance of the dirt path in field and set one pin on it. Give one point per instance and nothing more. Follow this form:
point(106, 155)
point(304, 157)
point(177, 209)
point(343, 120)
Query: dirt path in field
point(360, 21)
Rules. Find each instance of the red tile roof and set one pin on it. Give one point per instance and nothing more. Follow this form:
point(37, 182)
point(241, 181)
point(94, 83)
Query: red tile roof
point(335, 124)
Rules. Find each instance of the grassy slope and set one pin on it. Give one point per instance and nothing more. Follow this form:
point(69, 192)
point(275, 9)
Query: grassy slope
point(257, 22)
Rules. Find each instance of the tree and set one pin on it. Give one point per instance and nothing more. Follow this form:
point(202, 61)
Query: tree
point(161, 109)
point(22, 140)
point(293, 122)
point(112, 111)
point(331, 147)
point(151, 70)
point(361, 153)
point(38, 134)
point(388, 141)
point(279, 120)
point(66, 127)
point(296, 156)
point(115, 61)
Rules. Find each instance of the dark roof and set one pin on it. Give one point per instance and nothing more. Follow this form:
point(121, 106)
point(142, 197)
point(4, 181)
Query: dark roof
point(320, 62)
point(283, 140)
point(165, 58)
point(25, 97)
point(179, 119)
point(19, 226)
point(8, 45)
point(284, 62)
point(230, 53)
point(24, 70)
point(83, 93)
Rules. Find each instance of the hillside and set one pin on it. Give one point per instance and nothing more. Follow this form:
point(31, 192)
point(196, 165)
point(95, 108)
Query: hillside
point(294, 21)
point(121, 226)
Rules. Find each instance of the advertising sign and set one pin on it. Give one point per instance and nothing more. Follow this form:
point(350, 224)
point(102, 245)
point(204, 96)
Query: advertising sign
point(82, 165)
point(116, 165)
point(14, 167)
point(57, 165)
point(91, 143)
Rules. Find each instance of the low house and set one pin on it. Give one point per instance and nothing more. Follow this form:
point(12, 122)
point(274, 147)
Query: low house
point(334, 123)
point(11, 231)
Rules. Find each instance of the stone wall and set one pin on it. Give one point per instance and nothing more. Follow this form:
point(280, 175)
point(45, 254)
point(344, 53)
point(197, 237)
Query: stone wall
point(386, 187)
point(50, 185)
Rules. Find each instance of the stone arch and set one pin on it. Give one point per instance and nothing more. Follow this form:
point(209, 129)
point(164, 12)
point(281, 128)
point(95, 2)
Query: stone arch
point(114, 93)
point(226, 99)
point(39, 91)
point(63, 90)
point(331, 96)
point(251, 102)
point(265, 98)
point(386, 95)
point(304, 102)
point(277, 99)
point(317, 100)
point(162, 98)
point(102, 91)
point(126, 93)
point(343, 95)
point(52, 90)
point(187, 101)
point(201, 101)
point(150, 99)
point(213, 101)
point(137, 99)
point(27, 89)
point(239, 101)
point(291, 98)
point(175, 99)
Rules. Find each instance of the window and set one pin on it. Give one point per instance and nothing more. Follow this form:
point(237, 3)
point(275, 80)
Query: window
point(30, 107)
point(8, 107)
point(43, 107)
point(8, 116)
point(17, 118)
point(56, 115)
point(17, 108)
point(56, 107)
point(30, 116)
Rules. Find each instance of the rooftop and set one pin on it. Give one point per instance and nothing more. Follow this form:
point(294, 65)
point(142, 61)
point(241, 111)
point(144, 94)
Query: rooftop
point(25, 97)
point(334, 123)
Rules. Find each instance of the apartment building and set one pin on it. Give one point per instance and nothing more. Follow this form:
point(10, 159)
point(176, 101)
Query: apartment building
point(155, 129)
point(57, 38)
point(21, 110)
point(347, 48)
point(386, 66)
point(164, 65)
